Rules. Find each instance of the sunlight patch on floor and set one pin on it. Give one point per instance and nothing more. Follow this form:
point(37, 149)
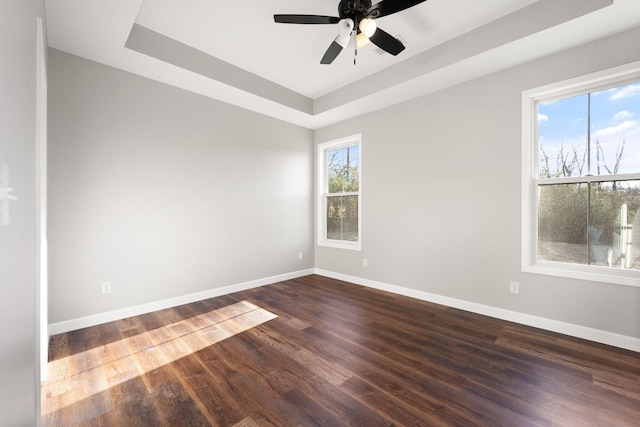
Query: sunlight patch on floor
point(82, 375)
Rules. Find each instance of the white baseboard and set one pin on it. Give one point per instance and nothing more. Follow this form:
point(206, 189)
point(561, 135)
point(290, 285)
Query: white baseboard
point(597, 335)
point(110, 316)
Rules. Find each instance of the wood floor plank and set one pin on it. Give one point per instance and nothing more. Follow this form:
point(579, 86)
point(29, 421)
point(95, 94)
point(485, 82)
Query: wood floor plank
point(246, 422)
point(172, 400)
point(217, 402)
point(333, 373)
point(319, 351)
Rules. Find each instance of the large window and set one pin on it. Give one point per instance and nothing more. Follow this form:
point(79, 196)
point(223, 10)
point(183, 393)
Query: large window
point(339, 193)
point(581, 180)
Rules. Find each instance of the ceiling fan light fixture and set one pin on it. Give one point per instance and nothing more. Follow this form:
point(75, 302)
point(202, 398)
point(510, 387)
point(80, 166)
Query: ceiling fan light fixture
point(367, 27)
point(345, 34)
point(362, 41)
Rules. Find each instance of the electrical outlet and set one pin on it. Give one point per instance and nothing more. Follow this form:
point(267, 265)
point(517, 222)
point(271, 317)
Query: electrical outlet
point(514, 287)
point(365, 263)
point(106, 288)
point(299, 256)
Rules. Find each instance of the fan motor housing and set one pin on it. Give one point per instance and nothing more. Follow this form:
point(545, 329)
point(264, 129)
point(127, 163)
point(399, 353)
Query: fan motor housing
point(353, 9)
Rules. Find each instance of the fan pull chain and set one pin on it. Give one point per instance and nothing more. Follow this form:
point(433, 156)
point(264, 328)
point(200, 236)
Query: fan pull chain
point(355, 49)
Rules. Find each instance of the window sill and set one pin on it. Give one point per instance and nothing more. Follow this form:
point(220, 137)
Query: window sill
point(339, 244)
point(589, 273)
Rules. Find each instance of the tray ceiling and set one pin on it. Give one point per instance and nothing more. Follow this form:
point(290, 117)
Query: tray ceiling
point(234, 52)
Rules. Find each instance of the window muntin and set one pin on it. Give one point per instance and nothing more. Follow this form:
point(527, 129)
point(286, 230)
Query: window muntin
point(581, 178)
point(339, 202)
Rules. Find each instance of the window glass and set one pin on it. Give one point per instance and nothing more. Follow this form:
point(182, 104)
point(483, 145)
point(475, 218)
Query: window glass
point(563, 237)
point(615, 134)
point(339, 185)
point(342, 218)
point(614, 215)
point(590, 223)
point(581, 180)
point(562, 137)
point(343, 169)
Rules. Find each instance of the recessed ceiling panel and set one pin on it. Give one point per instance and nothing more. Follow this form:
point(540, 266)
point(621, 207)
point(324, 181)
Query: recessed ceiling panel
point(244, 34)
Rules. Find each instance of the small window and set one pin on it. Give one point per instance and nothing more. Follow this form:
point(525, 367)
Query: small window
point(581, 178)
point(339, 178)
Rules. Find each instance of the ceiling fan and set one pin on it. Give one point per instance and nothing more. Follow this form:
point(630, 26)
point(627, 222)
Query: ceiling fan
point(358, 14)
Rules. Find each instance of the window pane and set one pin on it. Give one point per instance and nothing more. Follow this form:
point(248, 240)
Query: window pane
point(343, 166)
point(615, 133)
point(562, 137)
point(342, 218)
point(614, 226)
point(562, 223)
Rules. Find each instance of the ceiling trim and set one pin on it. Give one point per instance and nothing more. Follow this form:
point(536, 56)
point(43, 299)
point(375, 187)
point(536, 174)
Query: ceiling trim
point(156, 45)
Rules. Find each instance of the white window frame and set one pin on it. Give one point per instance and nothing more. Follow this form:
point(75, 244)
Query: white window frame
point(322, 191)
point(530, 98)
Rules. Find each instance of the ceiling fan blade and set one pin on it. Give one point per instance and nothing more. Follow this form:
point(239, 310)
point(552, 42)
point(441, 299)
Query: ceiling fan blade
point(339, 43)
point(387, 42)
point(388, 7)
point(331, 53)
point(306, 19)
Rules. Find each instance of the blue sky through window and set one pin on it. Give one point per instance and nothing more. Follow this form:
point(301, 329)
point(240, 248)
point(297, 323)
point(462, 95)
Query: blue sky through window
point(615, 117)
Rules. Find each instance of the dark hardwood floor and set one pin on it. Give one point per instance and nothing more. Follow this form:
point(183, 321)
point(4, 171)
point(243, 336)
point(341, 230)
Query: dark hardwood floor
point(317, 351)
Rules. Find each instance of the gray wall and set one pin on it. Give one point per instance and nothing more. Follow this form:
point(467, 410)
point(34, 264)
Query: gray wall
point(18, 360)
point(165, 193)
point(441, 196)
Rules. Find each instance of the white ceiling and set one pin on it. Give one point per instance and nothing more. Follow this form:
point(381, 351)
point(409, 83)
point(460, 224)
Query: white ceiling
point(290, 54)
point(233, 51)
